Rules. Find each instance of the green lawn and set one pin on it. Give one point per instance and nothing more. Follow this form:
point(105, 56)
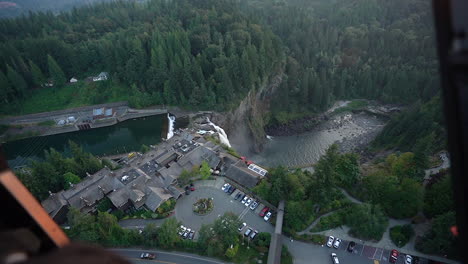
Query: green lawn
point(76, 95)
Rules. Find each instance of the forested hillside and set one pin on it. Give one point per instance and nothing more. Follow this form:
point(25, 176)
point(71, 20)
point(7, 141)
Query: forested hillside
point(13, 8)
point(189, 53)
point(420, 129)
point(373, 49)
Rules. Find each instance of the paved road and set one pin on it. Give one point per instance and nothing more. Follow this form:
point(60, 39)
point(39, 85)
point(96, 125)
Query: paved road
point(165, 257)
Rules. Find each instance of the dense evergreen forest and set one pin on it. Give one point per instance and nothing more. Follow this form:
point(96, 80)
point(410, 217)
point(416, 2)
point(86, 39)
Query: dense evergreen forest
point(209, 54)
point(381, 50)
point(190, 53)
point(13, 8)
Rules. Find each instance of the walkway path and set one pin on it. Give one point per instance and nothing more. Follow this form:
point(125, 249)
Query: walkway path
point(307, 230)
point(351, 198)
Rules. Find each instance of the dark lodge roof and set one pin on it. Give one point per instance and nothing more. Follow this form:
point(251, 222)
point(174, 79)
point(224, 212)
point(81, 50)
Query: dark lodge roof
point(198, 155)
point(241, 174)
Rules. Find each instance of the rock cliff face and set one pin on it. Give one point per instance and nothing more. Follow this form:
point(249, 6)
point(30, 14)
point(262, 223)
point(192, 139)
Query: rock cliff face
point(245, 125)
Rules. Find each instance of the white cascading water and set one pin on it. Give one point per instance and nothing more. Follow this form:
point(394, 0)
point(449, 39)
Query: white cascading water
point(170, 131)
point(221, 134)
point(269, 137)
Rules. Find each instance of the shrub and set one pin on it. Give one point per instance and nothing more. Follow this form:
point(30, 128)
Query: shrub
point(334, 220)
point(401, 234)
point(366, 221)
point(144, 148)
point(104, 205)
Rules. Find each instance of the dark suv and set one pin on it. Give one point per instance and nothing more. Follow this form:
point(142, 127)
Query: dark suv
point(351, 246)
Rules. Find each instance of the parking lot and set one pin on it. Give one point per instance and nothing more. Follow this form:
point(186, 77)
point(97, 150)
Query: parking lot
point(223, 203)
point(379, 254)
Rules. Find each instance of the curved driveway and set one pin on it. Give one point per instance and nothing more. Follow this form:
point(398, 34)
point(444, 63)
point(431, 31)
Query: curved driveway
point(223, 203)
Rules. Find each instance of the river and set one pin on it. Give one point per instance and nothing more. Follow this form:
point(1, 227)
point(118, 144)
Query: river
point(349, 130)
point(120, 138)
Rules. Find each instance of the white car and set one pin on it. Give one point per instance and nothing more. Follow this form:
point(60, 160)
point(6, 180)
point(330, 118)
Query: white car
point(245, 199)
point(408, 259)
point(241, 227)
point(187, 232)
point(249, 201)
point(267, 216)
point(337, 243)
point(224, 187)
point(335, 258)
point(253, 205)
point(182, 230)
point(330, 241)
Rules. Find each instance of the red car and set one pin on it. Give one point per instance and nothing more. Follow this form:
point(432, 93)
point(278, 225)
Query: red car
point(394, 256)
point(264, 211)
point(192, 189)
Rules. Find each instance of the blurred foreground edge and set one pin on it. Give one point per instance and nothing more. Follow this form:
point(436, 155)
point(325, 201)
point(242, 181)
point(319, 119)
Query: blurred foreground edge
point(22, 212)
point(451, 26)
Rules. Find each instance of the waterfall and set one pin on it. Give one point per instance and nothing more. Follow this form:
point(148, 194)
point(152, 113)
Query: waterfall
point(221, 134)
point(170, 130)
point(269, 137)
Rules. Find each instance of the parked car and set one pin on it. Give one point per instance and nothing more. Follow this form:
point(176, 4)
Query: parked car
point(415, 260)
point(227, 188)
point(394, 256)
point(147, 255)
point(253, 205)
point(249, 201)
point(253, 234)
point(238, 195)
point(182, 230)
point(241, 226)
point(245, 199)
point(335, 258)
point(191, 235)
point(330, 241)
point(247, 232)
point(264, 211)
point(192, 188)
point(186, 233)
point(351, 246)
point(408, 259)
point(224, 187)
point(242, 197)
point(337, 243)
point(231, 190)
point(267, 216)
point(187, 192)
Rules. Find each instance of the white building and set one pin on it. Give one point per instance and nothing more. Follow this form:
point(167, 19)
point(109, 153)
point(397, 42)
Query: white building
point(103, 76)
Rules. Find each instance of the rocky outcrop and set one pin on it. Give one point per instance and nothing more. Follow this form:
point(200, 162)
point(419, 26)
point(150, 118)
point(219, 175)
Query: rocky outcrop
point(245, 125)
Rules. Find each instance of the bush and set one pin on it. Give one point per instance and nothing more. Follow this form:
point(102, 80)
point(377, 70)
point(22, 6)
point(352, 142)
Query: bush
point(401, 234)
point(104, 205)
point(366, 221)
point(263, 240)
point(439, 240)
point(334, 220)
point(144, 148)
